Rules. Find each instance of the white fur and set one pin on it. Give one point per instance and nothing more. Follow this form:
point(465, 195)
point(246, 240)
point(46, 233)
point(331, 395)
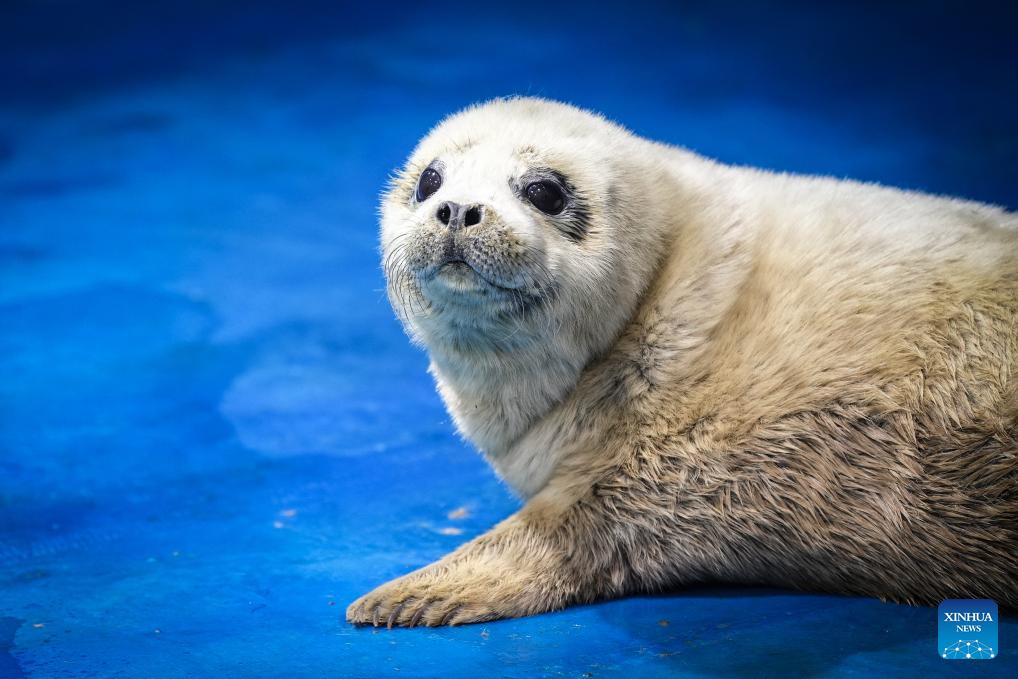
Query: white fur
point(655, 211)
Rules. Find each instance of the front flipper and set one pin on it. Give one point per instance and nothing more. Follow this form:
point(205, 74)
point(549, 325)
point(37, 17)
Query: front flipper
point(521, 567)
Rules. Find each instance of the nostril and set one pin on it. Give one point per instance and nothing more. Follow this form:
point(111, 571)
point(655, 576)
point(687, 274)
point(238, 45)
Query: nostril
point(443, 213)
point(473, 216)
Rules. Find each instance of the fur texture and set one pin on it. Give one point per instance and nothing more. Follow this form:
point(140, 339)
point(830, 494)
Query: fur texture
point(702, 372)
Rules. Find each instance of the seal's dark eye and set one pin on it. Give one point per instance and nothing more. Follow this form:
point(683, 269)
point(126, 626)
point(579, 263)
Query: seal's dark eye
point(546, 197)
point(429, 182)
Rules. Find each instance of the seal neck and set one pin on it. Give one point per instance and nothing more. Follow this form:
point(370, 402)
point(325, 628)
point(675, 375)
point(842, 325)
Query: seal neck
point(496, 397)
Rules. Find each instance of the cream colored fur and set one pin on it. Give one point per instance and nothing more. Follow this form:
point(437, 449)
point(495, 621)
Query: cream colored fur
point(732, 375)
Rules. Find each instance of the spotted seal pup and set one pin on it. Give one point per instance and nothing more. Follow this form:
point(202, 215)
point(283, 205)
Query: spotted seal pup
point(697, 372)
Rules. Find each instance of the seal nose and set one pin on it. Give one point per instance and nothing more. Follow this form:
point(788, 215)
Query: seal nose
point(457, 216)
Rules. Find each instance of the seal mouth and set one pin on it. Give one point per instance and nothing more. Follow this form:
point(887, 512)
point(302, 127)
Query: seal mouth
point(445, 272)
point(456, 268)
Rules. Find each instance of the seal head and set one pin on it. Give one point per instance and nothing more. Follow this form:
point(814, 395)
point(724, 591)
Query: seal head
point(509, 222)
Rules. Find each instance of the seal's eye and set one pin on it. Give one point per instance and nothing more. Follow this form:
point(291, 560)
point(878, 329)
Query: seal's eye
point(429, 182)
point(546, 196)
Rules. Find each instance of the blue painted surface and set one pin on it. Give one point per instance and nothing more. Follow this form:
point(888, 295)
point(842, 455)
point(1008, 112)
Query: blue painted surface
point(213, 435)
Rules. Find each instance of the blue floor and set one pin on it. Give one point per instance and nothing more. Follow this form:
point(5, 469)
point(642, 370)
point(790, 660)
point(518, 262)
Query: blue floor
point(213, 434)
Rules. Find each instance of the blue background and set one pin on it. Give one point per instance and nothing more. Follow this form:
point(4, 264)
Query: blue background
point(213, 434)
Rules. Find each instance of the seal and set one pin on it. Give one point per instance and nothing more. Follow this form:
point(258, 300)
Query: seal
point(696, 372)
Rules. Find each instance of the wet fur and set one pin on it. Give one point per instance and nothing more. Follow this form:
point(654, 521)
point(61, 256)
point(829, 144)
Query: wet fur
point(778, 379)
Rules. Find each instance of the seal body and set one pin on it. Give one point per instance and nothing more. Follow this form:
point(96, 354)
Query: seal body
point(697, 372)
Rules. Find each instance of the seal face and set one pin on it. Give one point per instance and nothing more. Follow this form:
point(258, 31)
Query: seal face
point(482, 231)
point(693, 371)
